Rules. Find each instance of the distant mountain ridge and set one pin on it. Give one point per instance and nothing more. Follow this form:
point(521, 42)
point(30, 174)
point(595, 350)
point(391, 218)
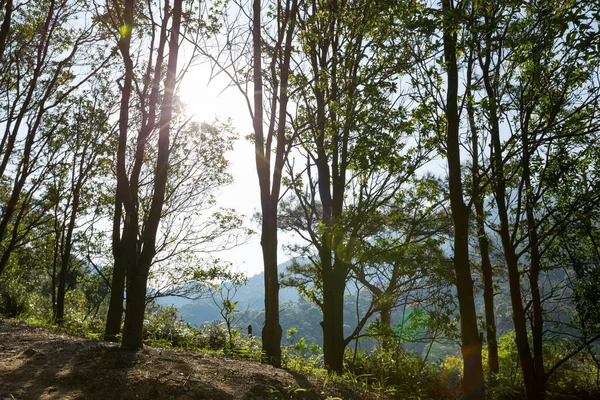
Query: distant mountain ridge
point(249, 297)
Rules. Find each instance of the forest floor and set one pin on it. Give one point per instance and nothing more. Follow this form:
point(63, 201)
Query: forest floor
point(39, 363)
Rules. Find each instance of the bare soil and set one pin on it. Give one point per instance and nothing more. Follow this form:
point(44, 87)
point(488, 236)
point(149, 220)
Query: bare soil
point(38, 363)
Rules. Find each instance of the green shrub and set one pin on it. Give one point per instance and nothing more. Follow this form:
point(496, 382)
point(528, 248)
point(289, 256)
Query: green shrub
point(509, 380)
point(13, 299)
point(19, 292)
point(213, 336)
point(299, 355)
point(578, 376)
point(164, 327)
point(403, 374)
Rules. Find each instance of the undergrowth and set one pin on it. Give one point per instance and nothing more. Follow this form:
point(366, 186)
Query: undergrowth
point(393, 370)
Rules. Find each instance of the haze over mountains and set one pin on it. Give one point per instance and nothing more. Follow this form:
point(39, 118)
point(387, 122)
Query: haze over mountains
point(305, 317)
point(249, 297)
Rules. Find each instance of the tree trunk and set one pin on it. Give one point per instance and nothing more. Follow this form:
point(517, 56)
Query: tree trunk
point(9, 210)
point(473, 381)
point(133, 326)
point(5, 28)
point(55, 256)
point(514, 276)
point(520, 321)
point(60, 294)
point(537, 330)
point(386, 326)
point(333, 315)
point(488, 291)
point(269, 195)
point(484, 246)
point(66, 256)
point(271, 333)
point(124, 254)
point(115, 308)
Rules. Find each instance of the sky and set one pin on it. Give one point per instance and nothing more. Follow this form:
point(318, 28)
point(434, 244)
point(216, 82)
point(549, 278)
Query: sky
point(207, 100)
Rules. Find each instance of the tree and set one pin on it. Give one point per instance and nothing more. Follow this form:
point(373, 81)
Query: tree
point(162, 229)
point(396, 259)
point(401, 261)
point(267, 65)
point(473, 386)
point(133, 254)
point(355, 142)
point(270, 192)
point(227, 307)
point(535, 82)
point(479, 189)
point(36, 86)
point(85, 136)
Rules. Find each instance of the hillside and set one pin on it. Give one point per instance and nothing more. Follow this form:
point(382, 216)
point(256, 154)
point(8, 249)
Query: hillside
point(38, 363)
point(251, 296)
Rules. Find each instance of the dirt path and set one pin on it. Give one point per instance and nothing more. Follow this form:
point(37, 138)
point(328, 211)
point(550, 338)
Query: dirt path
point(37, 363)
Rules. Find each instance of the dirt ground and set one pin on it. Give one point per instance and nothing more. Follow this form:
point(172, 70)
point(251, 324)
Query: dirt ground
point(38, 363)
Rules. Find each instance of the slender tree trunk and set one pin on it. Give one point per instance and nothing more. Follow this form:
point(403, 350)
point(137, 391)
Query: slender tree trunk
point(5, 27)
point(11, 208)
point(331, 184)
point(537, 330)
point(271, 333)
point(484, 245)
point(55, 258)
point(334, 273)
point(486, 269)
point(488, 291)
point(66, 256)
point(137, 279)
point(386, 326)
point(60, 295)
point(115, 308)
point(514, 276)
point(473, 381)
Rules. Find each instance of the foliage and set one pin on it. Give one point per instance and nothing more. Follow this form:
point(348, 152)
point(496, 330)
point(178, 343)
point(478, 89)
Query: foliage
point(405, 375)
point(577, 377)
point(299, 355)
point(372, 91)
point(163, 327)
point(509, 380)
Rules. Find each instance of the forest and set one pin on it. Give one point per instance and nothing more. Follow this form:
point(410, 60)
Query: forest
point(437, 163)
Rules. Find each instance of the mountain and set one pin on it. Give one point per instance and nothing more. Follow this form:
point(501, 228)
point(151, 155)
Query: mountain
point(249, 297)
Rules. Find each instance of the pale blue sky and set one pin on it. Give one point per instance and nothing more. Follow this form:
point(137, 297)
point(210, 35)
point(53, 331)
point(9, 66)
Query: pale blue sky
point(207, 101)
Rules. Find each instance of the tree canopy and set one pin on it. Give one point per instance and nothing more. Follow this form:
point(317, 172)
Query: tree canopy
point(423, 155)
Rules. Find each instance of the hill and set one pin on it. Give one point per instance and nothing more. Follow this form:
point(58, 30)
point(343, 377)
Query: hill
point(249, 297)
point(38, 363)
